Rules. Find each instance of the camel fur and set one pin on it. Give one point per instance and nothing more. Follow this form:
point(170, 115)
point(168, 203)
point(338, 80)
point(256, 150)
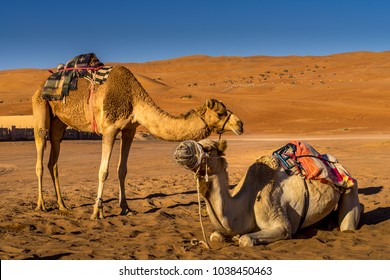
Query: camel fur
point(119, 105)
point(267, 204)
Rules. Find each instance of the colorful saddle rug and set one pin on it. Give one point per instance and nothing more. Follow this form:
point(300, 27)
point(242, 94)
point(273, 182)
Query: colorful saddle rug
point(87, 66)
point(300, 158)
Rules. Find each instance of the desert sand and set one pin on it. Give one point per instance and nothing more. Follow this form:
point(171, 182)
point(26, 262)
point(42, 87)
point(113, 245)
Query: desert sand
point(340, 104)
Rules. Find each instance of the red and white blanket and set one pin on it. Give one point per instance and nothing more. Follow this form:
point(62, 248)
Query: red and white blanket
point(298, 157)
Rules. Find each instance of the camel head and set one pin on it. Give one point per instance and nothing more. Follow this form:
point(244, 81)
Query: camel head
point(220, 119)
point(205, 156)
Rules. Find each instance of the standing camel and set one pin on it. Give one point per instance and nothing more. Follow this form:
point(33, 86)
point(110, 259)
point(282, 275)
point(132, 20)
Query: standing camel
point(119, 105)
point(267, 204)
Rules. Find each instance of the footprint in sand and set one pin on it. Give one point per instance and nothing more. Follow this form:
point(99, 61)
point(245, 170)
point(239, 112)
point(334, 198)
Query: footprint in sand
point(7, 168)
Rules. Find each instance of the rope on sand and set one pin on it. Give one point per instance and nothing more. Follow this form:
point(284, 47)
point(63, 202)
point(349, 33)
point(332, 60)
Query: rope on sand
point(205, 242)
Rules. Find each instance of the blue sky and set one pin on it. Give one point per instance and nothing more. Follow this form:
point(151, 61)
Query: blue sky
point(41, 34)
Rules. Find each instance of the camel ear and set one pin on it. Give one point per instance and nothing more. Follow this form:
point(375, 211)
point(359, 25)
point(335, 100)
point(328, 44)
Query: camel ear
point(210, 103)
point(221, 146)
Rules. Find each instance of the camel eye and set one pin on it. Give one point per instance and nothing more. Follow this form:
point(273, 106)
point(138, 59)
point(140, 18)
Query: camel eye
point(220, 115)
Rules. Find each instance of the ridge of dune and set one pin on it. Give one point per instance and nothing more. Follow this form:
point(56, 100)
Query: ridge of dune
point(341, 93)
point(340, 103)
point(151, 83)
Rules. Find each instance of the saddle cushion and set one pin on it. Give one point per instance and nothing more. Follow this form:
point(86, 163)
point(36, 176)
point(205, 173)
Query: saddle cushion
point(59, 83)
point(298, 157)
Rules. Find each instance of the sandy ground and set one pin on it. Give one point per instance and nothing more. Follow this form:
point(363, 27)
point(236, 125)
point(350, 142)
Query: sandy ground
point(340, 104)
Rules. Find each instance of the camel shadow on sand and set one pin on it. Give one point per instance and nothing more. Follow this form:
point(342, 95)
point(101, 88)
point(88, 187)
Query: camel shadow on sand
point(153, 195)
point(372, 217)
point(52, 257)
point(330, 223)
point(377, 215)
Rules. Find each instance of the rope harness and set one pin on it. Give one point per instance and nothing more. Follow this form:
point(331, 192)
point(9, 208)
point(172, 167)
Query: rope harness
point(292, 168)
point(291, 164)
point(224, 124)
point(222, 130)
point(190, 155)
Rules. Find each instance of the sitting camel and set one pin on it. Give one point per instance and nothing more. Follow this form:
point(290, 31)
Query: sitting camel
point(267, 204)
point(119, 105)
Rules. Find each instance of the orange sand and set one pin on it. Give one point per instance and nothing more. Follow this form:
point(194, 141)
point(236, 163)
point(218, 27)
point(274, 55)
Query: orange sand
point(340, 104)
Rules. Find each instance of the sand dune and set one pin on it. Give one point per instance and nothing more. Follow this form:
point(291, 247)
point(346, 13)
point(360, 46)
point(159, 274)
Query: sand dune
point(339, 93)
point(17, 121)
point(338, 103)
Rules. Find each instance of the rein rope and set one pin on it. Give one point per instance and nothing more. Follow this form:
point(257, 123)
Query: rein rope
point(191, 157)
point(204, 241)
point(206, 178)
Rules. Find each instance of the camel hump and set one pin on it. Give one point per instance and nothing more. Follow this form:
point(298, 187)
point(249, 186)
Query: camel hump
point(271, 162)
point(265, 168)
point(59, 83)
point(260, 174)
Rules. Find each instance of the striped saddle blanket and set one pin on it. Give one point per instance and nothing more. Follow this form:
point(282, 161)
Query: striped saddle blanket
point(300, 158)
point(87, 66)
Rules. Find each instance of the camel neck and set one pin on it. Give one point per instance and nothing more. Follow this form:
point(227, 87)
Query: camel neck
point(226, 211)
point(167, 127)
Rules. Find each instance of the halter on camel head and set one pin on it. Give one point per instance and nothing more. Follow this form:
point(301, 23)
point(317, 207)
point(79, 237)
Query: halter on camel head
point(222, 130)
point(190, 155)
point(218, 131)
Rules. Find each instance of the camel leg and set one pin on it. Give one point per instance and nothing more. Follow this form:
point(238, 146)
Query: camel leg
point(107, 145)
point(350, 210)
point(126, 140)
point(40, 147)
point(264, 236)
point(57, 129)
point(41, 132)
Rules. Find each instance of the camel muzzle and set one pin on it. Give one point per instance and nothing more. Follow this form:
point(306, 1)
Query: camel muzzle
point(189, 154)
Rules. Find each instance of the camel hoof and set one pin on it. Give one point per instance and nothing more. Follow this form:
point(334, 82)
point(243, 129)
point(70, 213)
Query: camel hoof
point(128, 212)
point(97, 214)
point(216, 236)
point(40, 207)
point(246, 241)
point(63, 207)
point(236, 238)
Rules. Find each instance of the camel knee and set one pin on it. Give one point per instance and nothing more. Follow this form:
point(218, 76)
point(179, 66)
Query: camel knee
point(39, 170)
point(350, 220)
point(103, 175)
point(42, 133)
point(122, 172)
point(50, 166)
point(350, 210)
